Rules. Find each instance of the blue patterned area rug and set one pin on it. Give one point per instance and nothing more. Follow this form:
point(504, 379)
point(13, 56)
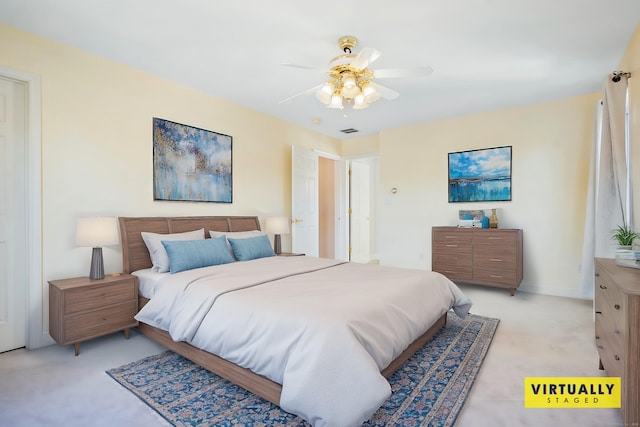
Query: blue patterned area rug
point(428, 390)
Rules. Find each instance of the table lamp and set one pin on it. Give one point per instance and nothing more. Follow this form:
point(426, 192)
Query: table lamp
point(277, 225)
point(96, 232)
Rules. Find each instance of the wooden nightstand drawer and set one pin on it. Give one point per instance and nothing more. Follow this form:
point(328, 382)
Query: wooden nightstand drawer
point(99, 322)
point(79, 299)
point(81, 309)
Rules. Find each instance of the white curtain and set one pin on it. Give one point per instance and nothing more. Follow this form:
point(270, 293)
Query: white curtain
point(609, 193)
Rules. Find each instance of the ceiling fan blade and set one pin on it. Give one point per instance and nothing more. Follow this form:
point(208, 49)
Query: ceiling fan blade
point(385, 92)
point(303, 93)
point(303, 67)
point(365, 57)
point(389, 73)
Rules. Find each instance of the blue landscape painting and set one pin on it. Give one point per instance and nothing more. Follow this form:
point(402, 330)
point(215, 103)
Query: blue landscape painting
point(480, 175)
point(190, 164)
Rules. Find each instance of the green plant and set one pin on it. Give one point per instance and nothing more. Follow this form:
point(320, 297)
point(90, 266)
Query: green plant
point(625, 235)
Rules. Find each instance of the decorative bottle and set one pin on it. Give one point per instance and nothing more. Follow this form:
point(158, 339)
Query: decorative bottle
point(493, 221)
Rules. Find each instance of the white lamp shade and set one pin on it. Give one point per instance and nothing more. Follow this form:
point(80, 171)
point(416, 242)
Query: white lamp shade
point(277, 225)
point(336, 101)
point(97, 232)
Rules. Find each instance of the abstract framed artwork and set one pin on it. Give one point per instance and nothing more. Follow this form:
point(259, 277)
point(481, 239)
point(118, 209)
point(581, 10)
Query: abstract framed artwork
point(191, 164)
point(482, 175)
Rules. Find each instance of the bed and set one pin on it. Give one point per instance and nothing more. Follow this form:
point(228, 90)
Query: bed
point(271, 324)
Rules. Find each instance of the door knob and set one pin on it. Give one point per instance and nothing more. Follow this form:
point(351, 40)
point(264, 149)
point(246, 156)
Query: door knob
point(296, 220)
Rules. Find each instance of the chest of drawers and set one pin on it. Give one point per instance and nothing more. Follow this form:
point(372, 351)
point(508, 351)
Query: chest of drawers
point(81, 309)
point(482, 256)
point(617, 330)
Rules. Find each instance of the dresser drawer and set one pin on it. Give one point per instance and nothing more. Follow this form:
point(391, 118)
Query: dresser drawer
point(504, 238)
point(502, 277)
point(99, 322)
point(499, 260)
point(452, 237)
point(79, 300)
point(610, 349)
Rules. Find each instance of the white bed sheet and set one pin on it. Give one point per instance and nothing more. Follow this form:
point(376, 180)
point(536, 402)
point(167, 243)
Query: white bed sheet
point(149, 281)
point(322, 329)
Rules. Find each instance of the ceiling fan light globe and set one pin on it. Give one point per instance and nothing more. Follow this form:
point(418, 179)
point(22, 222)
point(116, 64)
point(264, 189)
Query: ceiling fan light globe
point(359, 102)
point(349, 80)
point(350, 92)
point(323, 97)
point(370, 93)
point(336, 101)
point(369, 99)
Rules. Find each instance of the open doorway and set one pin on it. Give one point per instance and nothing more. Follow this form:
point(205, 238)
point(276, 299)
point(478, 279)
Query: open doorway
point(333, 206)
point(363, 185)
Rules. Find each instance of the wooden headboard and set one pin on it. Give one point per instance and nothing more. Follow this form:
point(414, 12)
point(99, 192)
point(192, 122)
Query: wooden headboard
point(135, 255)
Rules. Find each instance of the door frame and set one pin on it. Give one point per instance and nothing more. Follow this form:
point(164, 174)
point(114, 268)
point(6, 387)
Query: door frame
point(341, 193)
point(36, 335)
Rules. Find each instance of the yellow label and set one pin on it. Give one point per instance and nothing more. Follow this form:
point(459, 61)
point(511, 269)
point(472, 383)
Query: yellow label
point(572, 392)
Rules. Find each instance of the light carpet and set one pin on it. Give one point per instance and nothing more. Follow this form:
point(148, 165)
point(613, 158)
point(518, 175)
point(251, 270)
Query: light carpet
point(428, 390)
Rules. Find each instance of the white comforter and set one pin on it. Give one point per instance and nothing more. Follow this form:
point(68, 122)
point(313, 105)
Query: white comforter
point(321, 328)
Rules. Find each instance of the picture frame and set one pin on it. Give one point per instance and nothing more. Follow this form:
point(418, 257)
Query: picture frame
point(191, 164)
point(481, 175)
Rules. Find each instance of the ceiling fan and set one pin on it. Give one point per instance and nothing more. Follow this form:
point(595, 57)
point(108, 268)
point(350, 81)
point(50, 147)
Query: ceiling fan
point(352, 81)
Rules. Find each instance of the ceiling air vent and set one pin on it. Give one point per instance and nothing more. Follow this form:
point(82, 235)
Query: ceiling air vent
point(350, 130)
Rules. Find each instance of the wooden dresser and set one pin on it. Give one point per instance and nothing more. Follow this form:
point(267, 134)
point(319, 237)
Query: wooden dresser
point(617, 328)
point(481, 256)
point(81, 309)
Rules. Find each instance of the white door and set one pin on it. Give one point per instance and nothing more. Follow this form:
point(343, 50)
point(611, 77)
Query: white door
point(13, 278)
point(304, 201)
point(360, 209)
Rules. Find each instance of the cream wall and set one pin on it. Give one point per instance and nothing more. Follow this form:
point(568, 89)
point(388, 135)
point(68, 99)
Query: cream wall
point(96, 160)
point(550, 160)
point(97, 147)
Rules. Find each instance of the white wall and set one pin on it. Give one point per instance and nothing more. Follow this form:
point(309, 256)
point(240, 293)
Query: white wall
point(550, 160)
point(97, 159)
point(97, 148)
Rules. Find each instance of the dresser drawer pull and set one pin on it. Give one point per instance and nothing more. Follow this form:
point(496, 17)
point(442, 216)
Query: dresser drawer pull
point(597, 274)
point(497, 277)
point(616, 357)
point(601, 347)
point(495, 259)
point(597, 337)
point(617, 306)
point(598, 312)
point(451, 246)
point(495, 238)
point(603, 287)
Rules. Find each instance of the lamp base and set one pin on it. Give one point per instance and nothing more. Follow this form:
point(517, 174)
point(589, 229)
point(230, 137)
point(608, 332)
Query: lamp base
point(97, 265)
point(277, 244)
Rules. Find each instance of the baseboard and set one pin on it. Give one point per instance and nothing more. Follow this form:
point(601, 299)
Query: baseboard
point(553, 291)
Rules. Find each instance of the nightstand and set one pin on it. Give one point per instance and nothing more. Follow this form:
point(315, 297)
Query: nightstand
point(289, 254)
point(81, 308)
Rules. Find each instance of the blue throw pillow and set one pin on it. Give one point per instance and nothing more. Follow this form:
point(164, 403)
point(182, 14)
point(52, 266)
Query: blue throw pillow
point(251, 248)
point(189, 254)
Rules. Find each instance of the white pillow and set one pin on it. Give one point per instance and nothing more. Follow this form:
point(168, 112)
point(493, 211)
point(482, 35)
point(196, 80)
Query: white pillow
point(157, 252)
point(236, 234)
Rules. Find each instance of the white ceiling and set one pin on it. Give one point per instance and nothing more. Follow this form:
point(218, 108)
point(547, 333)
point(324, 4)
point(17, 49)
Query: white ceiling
point(486, 54)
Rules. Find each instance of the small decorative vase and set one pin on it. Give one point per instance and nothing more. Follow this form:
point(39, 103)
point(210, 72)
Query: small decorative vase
point(493, 221)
